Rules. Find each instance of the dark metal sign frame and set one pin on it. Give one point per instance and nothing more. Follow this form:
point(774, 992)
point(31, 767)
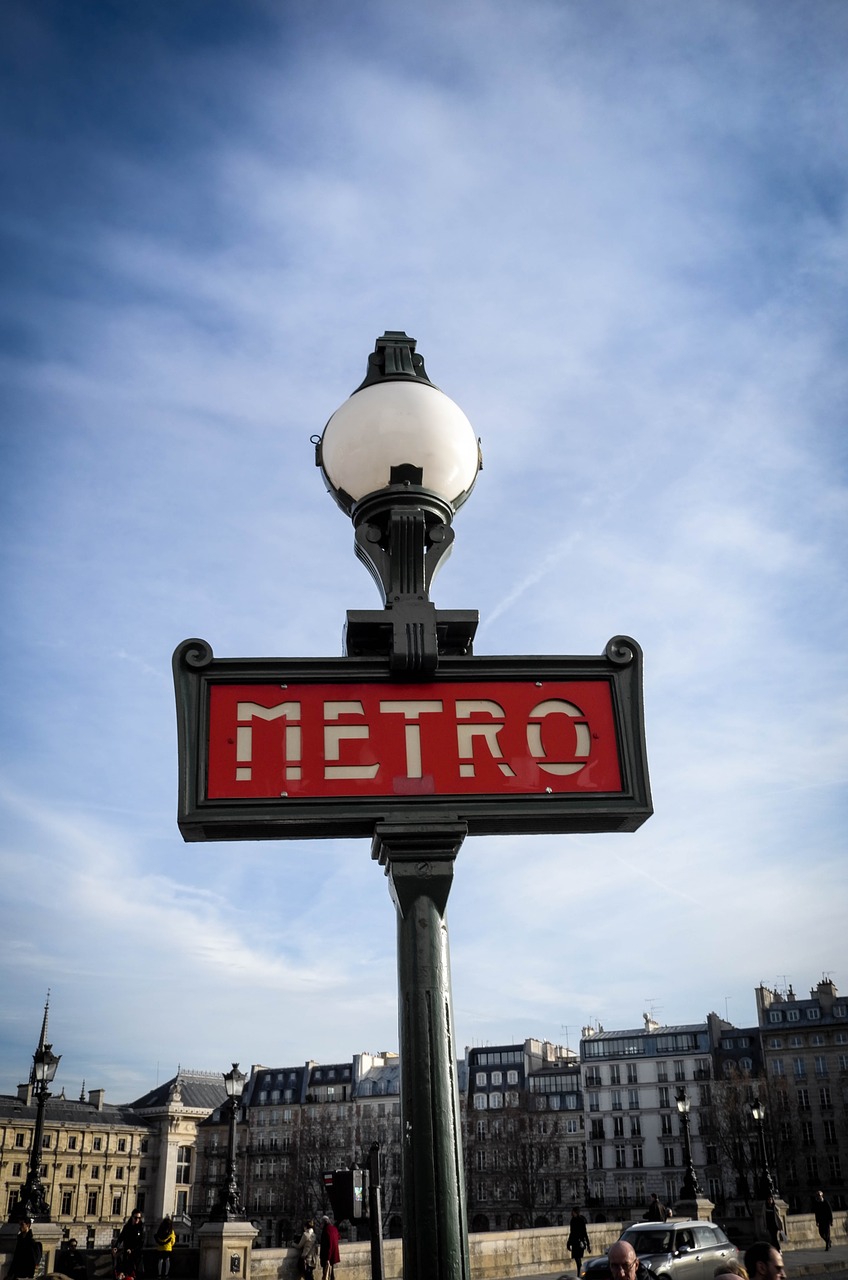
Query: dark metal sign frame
point(200, 818)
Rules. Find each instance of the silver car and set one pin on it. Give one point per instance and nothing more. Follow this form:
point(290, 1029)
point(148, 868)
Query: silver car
point(672, 1250)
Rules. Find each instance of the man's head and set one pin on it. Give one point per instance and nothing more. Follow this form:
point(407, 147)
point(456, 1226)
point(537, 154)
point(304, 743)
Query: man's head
point(26, 1225)
point(764, 1262)
point(622, 1261)
point(654, 1195)
point(72, 1244)
point(820, 1195)
point(730, 1268)
point(136, 1215)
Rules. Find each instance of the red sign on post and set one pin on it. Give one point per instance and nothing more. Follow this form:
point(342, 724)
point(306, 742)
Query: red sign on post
point(411, 739)
point(275, 748)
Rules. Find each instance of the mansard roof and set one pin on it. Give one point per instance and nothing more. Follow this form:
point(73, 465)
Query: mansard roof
point(193, 1090)
point(70, 1113)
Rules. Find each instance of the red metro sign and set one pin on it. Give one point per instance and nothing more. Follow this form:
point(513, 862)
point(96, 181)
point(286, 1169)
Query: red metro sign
point(423, 739)
point(274, 748)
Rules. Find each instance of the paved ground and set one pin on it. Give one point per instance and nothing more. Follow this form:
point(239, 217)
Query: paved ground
point(798, 1262)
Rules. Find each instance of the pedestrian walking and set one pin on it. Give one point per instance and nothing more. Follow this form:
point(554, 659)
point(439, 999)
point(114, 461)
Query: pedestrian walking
point(824, 1217)
point(578, 1237)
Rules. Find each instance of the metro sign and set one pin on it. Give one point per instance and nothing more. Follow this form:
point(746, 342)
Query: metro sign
point(309, 748)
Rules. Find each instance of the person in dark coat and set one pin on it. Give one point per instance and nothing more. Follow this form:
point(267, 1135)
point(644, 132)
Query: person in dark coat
point(328, 1248)
point(130, 1245)
point(578, 1237)
point(27, 1254)
point(824, 1217)
point(656, 1211)
point(71, 1262)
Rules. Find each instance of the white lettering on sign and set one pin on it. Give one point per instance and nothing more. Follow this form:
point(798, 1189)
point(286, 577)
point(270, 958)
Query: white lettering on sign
point(411, 711)
point(487, 730)
point(556, 706)
point(244, 736)
point(336, 734)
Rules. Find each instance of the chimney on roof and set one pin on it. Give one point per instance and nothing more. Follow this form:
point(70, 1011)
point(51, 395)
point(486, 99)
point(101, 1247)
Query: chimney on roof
point(25, 1094)
point(95, 1098)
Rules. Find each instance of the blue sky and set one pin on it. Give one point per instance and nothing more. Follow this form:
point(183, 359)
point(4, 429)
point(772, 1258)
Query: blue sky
point(619, 235)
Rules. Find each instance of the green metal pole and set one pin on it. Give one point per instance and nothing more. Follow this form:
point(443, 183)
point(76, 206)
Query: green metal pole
point(418, 859)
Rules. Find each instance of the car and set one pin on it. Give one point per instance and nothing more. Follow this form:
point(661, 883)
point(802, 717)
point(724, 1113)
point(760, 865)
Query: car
point(687, 1250)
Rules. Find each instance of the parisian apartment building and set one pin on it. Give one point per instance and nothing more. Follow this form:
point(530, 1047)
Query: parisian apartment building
point(545, 1127)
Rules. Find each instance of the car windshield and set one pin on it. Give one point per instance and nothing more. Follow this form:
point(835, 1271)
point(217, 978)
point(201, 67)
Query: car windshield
point(658, 1241)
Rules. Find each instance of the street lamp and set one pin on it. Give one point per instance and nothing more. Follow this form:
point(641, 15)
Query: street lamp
point(400, 458)
point(229, 1207)
point(690, 1189)
point(758, 1113)
point(33, 1201)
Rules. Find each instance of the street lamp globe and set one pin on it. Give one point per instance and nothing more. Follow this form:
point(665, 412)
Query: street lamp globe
point(395, 431)
point(44, 1064)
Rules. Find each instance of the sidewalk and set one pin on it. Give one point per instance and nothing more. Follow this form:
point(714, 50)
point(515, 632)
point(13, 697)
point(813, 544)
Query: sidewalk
point(798, 1262)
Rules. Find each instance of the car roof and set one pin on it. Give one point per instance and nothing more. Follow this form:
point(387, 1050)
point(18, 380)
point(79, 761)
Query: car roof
point(673, 1222)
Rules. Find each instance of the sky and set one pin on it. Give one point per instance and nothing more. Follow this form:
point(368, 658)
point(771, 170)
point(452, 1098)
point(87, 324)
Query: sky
point(619, 234)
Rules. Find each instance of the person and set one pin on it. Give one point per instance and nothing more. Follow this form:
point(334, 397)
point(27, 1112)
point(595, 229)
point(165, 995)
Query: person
point(730, 1268)
point(27, 1252)
point(764, 1262)
point(578, 1237)
point(71, 1262)
point(624, 1265)
point(656, 1211)
point(328, 1248)
point(775, 1223)
point(128, 1249)
point(166, 1238)
point(308, 1246)
point(824, 1217)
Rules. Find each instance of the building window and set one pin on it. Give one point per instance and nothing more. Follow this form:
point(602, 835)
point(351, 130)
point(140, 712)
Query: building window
point(821, 1065)
point(72, 1142)
point(829, 1130)
point(615, 1073)
point(633, 1099)
point(793, 1015)
point(807, 1135)
point(481, 1159)
point(97, 1144)
point(45, 1142)
point(618, 1126)
point(122, 1144)
point(799, 1067)
point(803, 1099)
point(571, 1125)
point(16, 1169)
point(91, 1211)
point(620, 1156)
point(481, 1078)
point(632, 1074)
point(835, 1167)
point(497, 1078)
point(777, 1067)
point(775, 1043)
point(597, 1129)
point(664, 1096)
point(817, 1039)
point(814, 1014)
point(635, 1126)
point(775, 1015)
point(183, 1164)
point(679, 1070)
point(824, 1096)
point(597, 1157)
point(637, 1157)
point(615, 1100)
point(19, 1139)
point(182, 1202)
point(117, 1202)
point(69, 1170)
point(665, 1124)
point(662, 1072)
point(594, 1102)
point(495, 1100)
point(512, 1077)
point(67, 1202)
point(668, 1156)
point(812, 1166)
point(119, 1172)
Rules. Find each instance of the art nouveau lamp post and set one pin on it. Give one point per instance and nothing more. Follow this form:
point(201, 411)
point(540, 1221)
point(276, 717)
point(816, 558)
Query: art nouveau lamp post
point(690, 1189)
point(758, 1114)
point(33, 1202)
point(229, 1207)
point(399, 457)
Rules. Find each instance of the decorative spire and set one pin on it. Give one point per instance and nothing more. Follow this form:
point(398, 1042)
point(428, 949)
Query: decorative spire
point(42, 1040)
point(82, 1092)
